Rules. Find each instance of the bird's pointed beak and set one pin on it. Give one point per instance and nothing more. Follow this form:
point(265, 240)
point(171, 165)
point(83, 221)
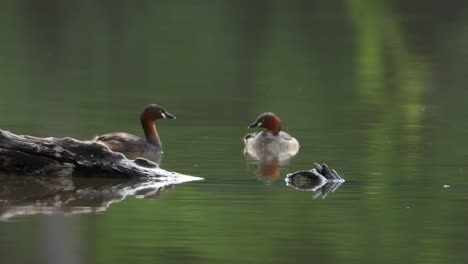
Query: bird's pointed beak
point(168, 115)
point(255, 124)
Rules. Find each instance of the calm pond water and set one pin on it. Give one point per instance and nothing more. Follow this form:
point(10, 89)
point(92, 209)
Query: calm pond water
point(375, 89)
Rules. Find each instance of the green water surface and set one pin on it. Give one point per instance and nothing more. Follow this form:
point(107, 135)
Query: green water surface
point(376, 89)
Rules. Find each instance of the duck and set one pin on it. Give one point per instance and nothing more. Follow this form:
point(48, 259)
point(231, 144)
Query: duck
point(319, 173)
point(320, 179)
point(133, 146)
point(272, 141)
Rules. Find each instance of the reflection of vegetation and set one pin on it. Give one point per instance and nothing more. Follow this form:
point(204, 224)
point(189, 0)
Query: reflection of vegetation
point(391, 79)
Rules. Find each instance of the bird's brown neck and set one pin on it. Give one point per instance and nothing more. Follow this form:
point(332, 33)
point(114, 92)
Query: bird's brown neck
point(274, 125)
point(149, 127)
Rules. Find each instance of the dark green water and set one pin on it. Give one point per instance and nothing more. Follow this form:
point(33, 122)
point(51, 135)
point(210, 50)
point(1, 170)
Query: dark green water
point(375, 89)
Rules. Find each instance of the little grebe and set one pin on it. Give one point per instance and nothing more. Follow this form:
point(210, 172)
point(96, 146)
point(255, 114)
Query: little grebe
point(319, 173)
point(320, 179)
point(132, 146)
point(271, 141)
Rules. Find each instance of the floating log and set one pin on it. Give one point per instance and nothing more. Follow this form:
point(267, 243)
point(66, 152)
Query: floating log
point(27, 155)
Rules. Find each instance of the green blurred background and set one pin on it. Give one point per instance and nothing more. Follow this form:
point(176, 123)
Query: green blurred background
point(376, 89)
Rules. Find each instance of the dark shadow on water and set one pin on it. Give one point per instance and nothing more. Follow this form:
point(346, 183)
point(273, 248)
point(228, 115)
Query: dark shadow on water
point(70, 195)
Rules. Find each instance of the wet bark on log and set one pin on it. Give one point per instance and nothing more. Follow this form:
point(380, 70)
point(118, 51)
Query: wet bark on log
point(27, 155)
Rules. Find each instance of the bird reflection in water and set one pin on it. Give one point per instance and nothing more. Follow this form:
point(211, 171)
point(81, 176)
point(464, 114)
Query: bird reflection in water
point(267, 165)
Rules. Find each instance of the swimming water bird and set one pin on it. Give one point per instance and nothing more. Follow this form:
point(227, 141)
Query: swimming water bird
point(320, 179)
point(271, 141)
point(133, 146)
point(319, 173)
